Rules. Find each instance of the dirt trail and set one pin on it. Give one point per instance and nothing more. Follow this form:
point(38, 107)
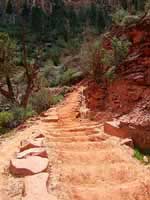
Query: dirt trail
point(84, 162)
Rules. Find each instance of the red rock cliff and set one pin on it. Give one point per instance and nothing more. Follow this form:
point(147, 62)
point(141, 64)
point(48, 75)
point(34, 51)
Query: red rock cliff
point(128, 95)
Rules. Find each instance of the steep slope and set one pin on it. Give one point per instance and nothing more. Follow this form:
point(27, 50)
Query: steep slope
point(84, 162)
point(128, 95)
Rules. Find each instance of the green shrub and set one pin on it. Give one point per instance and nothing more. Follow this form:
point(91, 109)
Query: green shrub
point(147, 7)
point(112, 58)
point(73, 44)
point(41, 100)
point(56, 99)
point(120, 50)
point(67, 76)
point(107, 57)
point(138, 155)
point(20, 114)
point(11, 119)
point(55, 55)
point(5, 118)
point(119, 16)
point(131, 19)
point(47, 71)
point(110, 73)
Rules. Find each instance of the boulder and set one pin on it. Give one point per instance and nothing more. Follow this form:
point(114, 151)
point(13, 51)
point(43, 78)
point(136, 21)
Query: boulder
point(28, 166)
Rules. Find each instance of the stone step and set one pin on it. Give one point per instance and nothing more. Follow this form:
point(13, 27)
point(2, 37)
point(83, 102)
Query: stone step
point(72, 126)
point(71, 134)
point(112, 173)
point(80, 128)
point(50, 119)
point(83, 146)
point(105, 191)
point(92, 138)
point(107, 156)
point(36, 187)
point(28, 166)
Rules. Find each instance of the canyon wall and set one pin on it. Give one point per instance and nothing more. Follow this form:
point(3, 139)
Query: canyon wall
point(127, 98)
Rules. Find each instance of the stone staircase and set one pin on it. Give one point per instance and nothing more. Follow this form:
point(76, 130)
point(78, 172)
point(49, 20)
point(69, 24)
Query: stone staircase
point(84, 163)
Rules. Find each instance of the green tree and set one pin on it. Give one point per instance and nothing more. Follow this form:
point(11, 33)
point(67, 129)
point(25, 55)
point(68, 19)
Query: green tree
point(83, 14)
point(73, 21)
point(9, 8)
point(8, 87)
point(37, 19)
point(100, 20)
point(124, 4)
point(25, 12)
point(58, 19)
point(92, 14)
point(139, 5)
point(7, 65)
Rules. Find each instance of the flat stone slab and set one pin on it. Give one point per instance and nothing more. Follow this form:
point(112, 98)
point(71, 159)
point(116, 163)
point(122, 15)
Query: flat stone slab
point(36, 187)
point(33, 152)
point(28, 166)
point(28, 144)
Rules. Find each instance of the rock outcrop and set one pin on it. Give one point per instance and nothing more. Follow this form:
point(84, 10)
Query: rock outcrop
point(128, 95)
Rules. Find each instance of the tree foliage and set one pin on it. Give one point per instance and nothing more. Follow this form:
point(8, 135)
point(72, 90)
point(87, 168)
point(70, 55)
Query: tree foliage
point(9, 8)
point(7, 72)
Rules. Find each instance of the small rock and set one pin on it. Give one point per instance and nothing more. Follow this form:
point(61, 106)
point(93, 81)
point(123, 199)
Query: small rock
point(145, 159)
point(28, 166)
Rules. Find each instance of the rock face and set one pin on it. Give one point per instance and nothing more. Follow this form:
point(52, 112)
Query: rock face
point(128, 95)
point(133, 85)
